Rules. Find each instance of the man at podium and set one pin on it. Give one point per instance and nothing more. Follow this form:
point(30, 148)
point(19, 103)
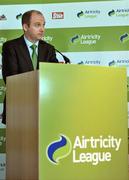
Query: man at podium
point(24, 53)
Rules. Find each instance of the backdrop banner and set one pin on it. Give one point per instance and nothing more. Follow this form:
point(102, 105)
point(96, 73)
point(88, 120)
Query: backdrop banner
point(88, 32)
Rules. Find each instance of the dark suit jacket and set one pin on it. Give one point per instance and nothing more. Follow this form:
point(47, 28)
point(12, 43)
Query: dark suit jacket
point(16, 59)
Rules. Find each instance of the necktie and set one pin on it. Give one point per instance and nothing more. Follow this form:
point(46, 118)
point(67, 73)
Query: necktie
point(34, 55)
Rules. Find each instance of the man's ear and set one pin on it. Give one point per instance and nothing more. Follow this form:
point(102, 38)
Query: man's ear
point(25, 27)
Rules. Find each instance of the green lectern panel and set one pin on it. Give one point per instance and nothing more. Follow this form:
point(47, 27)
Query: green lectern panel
point(82, 123)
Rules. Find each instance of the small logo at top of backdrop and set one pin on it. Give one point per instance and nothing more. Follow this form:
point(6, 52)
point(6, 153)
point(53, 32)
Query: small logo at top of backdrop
point(124, 37)
point(111, 13)
point(3, 17)
point(119, 12)
point(88, 13)
point(57, 15)
point(59, 149)
point(80, 14)
point(19, 16)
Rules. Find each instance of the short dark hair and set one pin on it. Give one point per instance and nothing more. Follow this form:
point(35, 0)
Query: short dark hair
point(27, 16)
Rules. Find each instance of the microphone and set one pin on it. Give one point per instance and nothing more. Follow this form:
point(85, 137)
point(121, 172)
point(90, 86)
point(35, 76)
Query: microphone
point(66, 59)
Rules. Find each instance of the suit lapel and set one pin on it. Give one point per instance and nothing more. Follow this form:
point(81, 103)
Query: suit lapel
point(25, 53)
point(41, 52)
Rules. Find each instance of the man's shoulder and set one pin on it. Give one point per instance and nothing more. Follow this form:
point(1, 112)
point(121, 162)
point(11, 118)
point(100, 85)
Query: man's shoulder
point(13, 41)
point(45, 44)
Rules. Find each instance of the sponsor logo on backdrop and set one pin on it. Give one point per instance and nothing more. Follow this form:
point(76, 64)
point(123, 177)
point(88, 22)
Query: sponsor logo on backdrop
point(75, 39)
point(2, 90)
point(124, 37)
point(96, 62)
point(57, 15)
point(2, 40)
point(3, 17)
point(119, 62)
point(19, 16)
point(112, 63)
point(85, 39)
point(2, 165)
point(88, 13)
point(94, 150)
point(58, 149)
point(48, 38)
point(119, 12)
point(2, 140)
point(111, 13)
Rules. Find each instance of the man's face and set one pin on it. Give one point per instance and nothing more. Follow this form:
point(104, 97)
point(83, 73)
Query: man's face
point(35, 30)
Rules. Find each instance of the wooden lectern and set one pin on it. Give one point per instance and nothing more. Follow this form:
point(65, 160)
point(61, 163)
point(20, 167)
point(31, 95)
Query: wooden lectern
point(22, 127)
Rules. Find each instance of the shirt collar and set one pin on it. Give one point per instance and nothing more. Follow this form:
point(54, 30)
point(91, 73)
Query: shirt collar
point(30, 43)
